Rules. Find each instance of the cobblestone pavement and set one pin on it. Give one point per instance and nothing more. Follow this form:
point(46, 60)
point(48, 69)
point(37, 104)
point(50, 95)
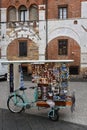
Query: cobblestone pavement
point(78, 117)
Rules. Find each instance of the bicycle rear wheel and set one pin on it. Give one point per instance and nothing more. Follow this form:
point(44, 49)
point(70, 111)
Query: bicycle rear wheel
point(13, 103)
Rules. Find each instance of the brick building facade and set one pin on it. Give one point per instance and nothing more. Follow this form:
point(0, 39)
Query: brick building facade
point(44, 29)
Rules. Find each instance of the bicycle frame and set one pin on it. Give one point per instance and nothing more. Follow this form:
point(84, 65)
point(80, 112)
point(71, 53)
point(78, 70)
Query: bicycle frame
point(26, 102)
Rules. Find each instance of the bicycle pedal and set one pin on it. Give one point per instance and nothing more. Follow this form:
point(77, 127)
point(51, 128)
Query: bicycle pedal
point(28, 106)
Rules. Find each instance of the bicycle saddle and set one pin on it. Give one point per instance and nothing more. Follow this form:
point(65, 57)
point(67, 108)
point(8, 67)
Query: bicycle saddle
point(22, 88)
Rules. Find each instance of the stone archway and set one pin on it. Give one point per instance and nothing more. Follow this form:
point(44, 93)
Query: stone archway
point(32, 52)
point(13, 50)
point(64, 31)
point(73, 52)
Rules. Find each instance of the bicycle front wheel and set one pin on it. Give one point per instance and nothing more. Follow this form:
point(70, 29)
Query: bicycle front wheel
point(15, 103)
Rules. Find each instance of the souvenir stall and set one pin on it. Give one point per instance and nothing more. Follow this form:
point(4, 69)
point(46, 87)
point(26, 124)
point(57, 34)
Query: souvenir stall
point(52, 81)
point(51, 91)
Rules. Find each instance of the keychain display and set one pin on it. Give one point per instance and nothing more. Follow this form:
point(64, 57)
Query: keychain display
point(21, 77)
point(64, 75)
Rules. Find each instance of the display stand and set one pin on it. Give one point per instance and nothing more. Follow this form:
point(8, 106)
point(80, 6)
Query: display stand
point(52, 81)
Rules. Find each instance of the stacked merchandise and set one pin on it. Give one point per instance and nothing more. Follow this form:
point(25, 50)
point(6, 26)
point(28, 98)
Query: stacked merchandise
point(52, 81)
point(64, 75)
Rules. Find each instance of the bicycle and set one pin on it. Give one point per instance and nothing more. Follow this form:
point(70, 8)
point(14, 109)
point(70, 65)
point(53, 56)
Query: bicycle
point(17, 102)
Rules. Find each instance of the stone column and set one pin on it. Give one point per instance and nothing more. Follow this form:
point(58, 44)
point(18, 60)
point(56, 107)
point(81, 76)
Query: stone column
point(3, 33)
point(42, 32)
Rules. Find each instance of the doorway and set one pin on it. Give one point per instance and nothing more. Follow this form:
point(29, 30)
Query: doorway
point(74, 70)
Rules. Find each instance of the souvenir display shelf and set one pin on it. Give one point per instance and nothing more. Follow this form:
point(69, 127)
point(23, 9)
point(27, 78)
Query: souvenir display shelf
point(52, 81)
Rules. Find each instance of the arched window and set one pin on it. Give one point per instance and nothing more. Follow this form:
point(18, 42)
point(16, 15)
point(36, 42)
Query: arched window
point(22, 13)
point(11, 14)
point(33, 12)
